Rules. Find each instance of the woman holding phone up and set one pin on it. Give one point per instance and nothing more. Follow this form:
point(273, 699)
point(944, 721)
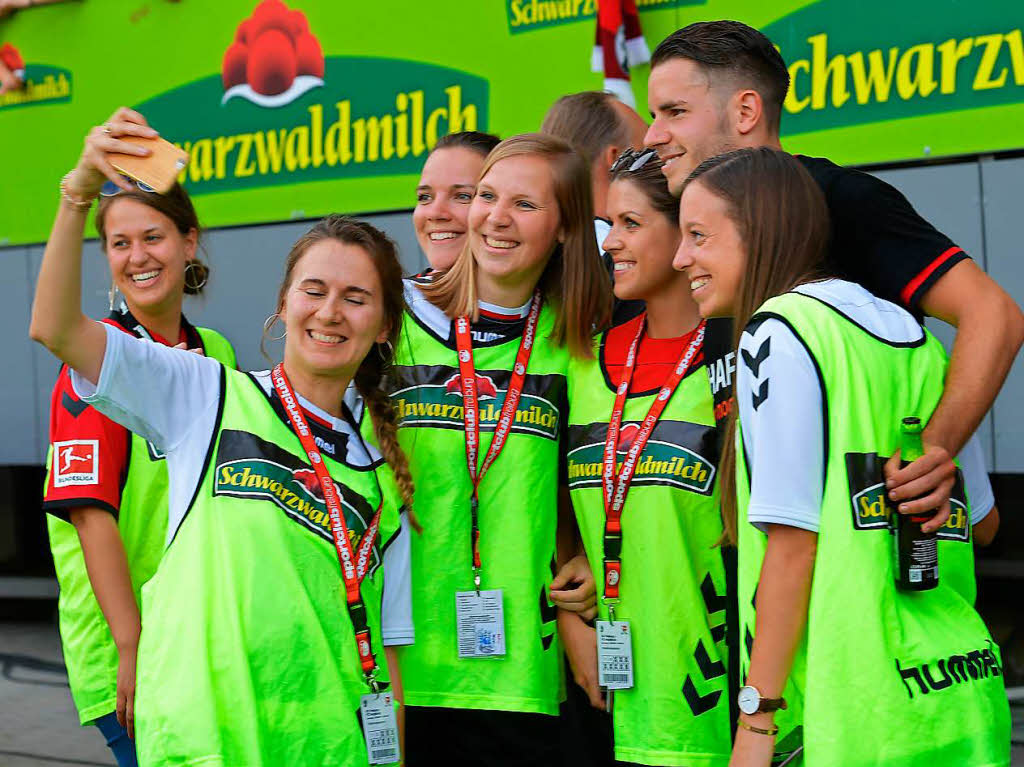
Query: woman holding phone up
point(104, 482)
point(479, 384)
point(841, 666)
point(270, 618)
point(642, 457)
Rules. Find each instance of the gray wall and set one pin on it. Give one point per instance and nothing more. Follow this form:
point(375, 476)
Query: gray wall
point(979, 204)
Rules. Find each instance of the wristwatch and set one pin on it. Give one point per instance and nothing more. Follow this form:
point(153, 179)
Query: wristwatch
point(751, 701)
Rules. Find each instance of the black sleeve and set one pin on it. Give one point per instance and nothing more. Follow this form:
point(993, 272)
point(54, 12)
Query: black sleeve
point(880, 241)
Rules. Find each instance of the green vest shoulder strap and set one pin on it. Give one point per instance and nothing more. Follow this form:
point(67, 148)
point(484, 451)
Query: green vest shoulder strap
point(217, 346)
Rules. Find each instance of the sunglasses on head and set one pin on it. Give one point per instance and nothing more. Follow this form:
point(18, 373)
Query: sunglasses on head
point(110, 189)
point(632, 160)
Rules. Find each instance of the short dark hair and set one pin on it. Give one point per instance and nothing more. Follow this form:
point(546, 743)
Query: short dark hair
point(733, 49)
point(477, 141)
point(588, 121)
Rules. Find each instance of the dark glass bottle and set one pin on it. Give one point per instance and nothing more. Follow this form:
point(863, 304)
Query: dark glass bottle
point(917, 553)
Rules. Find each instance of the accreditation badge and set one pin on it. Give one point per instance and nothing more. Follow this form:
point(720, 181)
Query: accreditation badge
point(480, 623)
point(614, 655)
point(380, 727)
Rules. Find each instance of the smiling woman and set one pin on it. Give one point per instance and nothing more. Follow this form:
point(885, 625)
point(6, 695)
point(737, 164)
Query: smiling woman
point(444, 193)
point(484, 349)
point(655, 543)
point(104, 481)
point(272, 492)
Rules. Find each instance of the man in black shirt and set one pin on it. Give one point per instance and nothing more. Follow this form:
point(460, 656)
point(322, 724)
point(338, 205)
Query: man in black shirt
point(719, 85)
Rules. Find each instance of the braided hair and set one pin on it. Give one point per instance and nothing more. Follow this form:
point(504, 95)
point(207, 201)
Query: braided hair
point(372, 369)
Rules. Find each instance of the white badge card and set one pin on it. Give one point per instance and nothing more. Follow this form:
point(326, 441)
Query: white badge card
point(480, 622)
point(614, 655)
point(380, 727)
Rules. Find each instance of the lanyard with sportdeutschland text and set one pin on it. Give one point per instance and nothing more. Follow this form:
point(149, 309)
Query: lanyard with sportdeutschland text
point(354, 565)
point(616, 484)
point(471, 414)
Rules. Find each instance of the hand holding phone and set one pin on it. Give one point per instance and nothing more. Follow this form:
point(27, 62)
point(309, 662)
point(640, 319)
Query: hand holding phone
point(159, 169)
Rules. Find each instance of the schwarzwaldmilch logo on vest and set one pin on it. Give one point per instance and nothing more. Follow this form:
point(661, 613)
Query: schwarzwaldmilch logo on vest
point(435, 400)
point(249, 467)
point(678, 454)
point(871, 509)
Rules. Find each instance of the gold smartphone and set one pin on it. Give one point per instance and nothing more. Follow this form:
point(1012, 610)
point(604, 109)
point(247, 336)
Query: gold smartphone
point(159, 169)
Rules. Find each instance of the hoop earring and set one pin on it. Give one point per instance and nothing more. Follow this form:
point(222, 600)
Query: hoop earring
point(269, 323)
point(195, 286)
point(391, 350)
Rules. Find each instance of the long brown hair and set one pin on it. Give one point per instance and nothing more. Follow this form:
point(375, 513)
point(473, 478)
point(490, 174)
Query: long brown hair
point(371, 370)
point(783, 223)
point(177, 206)
point(573, 281)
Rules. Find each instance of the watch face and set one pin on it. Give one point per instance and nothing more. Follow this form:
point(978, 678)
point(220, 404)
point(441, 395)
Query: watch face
point(749, 699)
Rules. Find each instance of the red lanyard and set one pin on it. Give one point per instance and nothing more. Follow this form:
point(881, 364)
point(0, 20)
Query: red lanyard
point(471, 415)
point(353, 565)
point(616, 486)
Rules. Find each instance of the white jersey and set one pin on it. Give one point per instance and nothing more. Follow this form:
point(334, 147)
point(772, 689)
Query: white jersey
point(789, 422)
point(170, 397)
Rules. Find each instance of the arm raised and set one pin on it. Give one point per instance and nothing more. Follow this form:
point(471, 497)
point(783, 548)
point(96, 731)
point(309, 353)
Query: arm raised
point(57, 319)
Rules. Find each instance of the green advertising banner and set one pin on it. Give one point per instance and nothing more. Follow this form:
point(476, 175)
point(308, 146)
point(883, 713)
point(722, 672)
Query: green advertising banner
point(296, 108)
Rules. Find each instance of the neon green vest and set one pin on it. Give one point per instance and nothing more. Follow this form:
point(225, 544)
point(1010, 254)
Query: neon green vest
point(89, 651)
point(673, 580)
point(883, 677)
point(518, 514)
point(247, 654)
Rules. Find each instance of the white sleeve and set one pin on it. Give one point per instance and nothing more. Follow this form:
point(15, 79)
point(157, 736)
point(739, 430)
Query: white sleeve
point(152, 390)
point(396, 603)
point(976, 481)
point(780, 409)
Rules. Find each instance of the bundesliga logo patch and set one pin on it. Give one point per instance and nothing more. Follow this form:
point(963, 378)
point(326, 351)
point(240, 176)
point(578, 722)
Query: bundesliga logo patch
point(76, 462)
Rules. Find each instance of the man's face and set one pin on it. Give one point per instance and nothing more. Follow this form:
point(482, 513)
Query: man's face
point(690, 120)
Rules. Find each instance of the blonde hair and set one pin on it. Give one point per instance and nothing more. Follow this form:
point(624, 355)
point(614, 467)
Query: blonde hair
point(574, 281)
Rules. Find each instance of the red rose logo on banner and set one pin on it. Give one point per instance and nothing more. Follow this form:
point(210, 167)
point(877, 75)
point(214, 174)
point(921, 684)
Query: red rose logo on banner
point(274, 58)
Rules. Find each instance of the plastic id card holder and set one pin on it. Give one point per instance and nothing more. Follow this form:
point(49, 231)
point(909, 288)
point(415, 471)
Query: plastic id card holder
point(480, 623)
point(614, 655)
point(380, 727)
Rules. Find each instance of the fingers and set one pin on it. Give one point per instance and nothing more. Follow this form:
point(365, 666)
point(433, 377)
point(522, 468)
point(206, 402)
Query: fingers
point(119, 709)
point(934, 467)
point(590, 613)
point(126, 128)
point(574, 601)
point(561, 579)
point(938, 520)
point(124, 114)
point(595, 694)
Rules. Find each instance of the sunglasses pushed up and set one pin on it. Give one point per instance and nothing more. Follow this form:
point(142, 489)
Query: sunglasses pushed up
point(110, 189)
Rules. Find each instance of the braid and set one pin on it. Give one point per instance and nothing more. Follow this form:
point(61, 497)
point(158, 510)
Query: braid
point(385, 429)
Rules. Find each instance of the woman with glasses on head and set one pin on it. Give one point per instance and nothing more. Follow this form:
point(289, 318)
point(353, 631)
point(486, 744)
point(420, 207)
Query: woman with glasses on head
point(642, 457)
point(479, 384)
point(444, 193)
point(271, 619)
point(105, 484)
point(841, 665)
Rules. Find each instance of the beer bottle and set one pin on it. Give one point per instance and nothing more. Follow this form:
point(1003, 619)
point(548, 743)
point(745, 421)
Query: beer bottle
point(917, 552)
